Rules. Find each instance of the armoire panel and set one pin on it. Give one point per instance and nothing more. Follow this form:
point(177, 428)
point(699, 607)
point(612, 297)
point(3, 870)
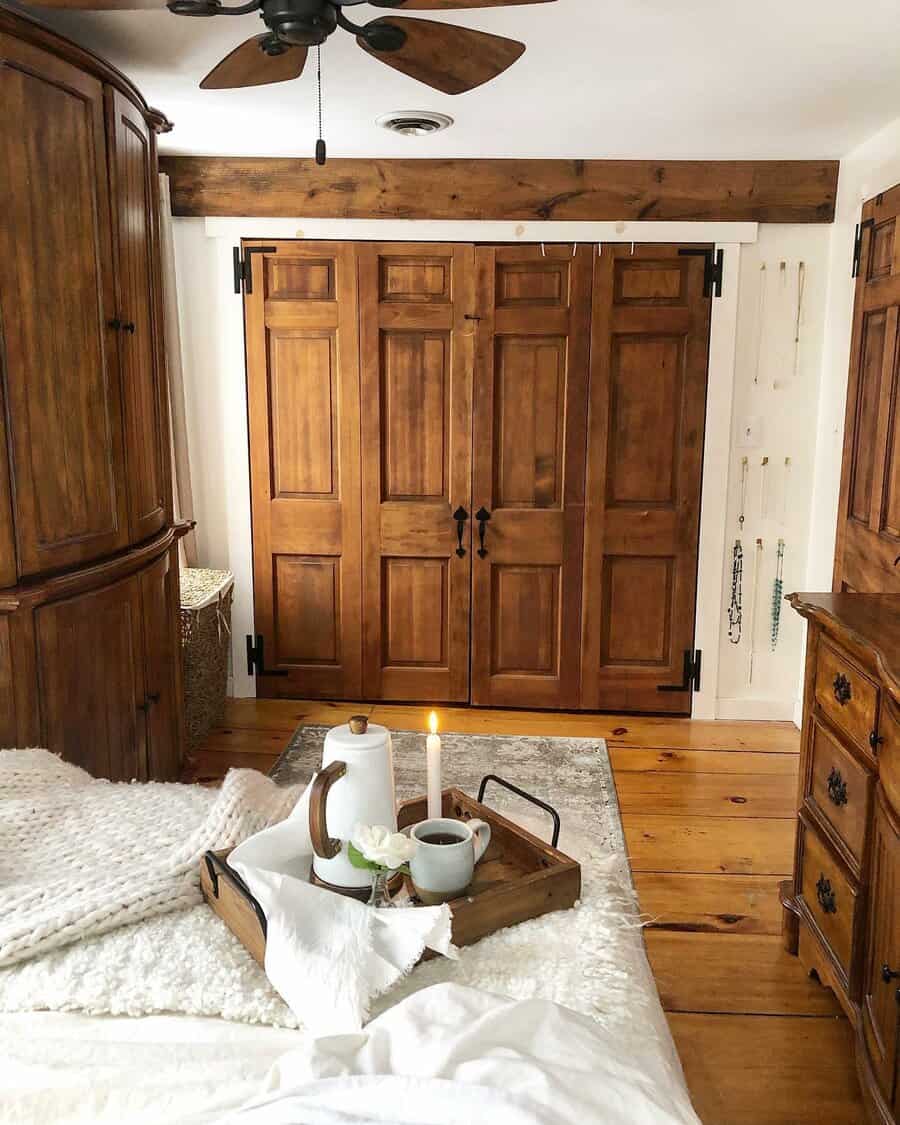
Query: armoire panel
point(294, 279)
point(648, 281)
point(890, 483)
point(526, 614)
point(529, 421)
point(646, 387)
point(868, 396)
point(538, 284)
point(417, 279)
point(415, 421)
point(307, 609)
point(881, 253)
point(637, 610)
point(416, 611)
point(305, 413)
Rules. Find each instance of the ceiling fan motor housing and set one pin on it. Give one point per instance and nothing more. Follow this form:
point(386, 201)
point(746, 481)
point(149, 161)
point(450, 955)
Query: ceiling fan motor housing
point(305, 23)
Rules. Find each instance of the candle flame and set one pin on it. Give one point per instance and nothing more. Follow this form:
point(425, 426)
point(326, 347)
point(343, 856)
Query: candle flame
point(433, 722)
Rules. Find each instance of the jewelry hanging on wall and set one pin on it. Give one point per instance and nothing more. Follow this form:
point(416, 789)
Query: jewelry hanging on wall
point(785, 490)
point(763, 488)
point(734, 608)
point(757, 556)
point(760, 320)
point(745, 469)
point(801, 286)
point(777, 593)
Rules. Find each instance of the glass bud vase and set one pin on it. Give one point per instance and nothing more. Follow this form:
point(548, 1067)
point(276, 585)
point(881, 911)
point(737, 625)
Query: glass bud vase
point(380, 898)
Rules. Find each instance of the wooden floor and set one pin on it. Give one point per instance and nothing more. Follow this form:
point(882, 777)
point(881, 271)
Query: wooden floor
point(708, 814)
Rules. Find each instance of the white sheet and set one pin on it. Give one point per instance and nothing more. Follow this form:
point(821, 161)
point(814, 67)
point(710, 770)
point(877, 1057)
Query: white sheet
point(446, 1054)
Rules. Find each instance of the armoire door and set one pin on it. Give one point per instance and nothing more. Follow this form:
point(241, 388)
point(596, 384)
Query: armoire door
point(139, 329)
point(529, 426)
point(649, 356)
point(56, 296)
point(867, 554)
point(93, 710)
point(303, 400)
point(162, 666)
point(416, 341)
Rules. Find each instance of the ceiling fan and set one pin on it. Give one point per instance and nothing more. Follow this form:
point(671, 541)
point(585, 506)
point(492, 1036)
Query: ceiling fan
point(446, 57)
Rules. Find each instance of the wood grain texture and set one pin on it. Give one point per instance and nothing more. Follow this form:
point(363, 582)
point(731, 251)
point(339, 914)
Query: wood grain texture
point(584, 190)
point(247, 65)
point(691, 843)
point(721, 904)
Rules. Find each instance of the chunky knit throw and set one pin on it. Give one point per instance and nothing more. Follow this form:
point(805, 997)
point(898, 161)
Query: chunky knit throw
point(80, 857)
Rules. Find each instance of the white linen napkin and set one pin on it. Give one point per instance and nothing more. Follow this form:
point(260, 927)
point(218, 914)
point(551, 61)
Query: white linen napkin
point(328, 955)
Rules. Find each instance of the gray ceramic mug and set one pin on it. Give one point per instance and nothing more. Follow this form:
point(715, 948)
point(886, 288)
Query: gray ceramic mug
point(442, 871)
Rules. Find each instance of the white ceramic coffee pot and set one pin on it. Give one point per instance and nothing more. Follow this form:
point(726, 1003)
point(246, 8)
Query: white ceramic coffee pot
point(354, 786)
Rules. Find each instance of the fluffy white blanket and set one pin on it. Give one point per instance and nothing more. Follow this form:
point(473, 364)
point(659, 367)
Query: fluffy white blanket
point(80, 857)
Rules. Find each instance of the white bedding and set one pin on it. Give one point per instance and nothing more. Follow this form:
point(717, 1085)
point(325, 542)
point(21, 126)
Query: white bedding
point(446, 1054)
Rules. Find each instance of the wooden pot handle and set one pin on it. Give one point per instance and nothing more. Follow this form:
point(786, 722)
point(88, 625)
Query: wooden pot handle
point(323, 845)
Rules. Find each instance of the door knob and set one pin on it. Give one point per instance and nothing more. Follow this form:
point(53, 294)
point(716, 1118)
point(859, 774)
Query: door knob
point(482, 515)
point(460, 515)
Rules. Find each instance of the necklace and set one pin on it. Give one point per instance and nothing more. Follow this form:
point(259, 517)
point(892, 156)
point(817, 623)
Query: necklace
point(734, 608)
point(777, 592)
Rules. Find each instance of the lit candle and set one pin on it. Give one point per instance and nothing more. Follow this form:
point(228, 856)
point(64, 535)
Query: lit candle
point(433, 763)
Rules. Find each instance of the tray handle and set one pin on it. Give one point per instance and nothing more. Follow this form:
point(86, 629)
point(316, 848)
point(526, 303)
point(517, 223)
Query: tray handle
point(216, 868)
point(526, 796)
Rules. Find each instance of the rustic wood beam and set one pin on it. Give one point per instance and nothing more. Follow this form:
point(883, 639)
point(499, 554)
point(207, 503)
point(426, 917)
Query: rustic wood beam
point(766, 191)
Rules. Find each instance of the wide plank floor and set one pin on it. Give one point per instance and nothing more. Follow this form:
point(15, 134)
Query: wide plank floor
point(708, 815)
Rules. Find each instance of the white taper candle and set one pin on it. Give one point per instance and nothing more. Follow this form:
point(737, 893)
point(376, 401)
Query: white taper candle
point(433, 765)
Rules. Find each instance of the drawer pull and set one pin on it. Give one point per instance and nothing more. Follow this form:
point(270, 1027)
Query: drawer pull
point(837, 787)
point(888, 974)
point(826, 895)
point(843, 693)
point(875, 740)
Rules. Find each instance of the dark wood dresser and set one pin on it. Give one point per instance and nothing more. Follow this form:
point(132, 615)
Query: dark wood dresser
point(842, 908)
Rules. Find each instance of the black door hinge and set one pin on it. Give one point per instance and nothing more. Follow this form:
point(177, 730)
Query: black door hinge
point(857, 244)
point(691, 674)
point(256, 659)
point(714, 264)
point(243, 265)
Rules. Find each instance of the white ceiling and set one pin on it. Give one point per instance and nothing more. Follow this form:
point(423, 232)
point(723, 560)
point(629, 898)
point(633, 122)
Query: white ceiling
point(601, 78)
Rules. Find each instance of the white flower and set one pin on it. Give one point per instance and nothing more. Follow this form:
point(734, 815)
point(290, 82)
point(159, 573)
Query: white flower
point(379, 845)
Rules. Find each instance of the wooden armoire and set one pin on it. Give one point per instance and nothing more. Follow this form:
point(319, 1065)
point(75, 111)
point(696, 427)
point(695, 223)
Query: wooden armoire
point(476, 471)
point(89, 646)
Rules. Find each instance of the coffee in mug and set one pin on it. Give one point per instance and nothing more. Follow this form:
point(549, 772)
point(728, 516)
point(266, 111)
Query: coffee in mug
point(444, 862)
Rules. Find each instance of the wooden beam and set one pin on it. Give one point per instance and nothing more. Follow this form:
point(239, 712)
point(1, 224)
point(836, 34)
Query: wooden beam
point(765, 191)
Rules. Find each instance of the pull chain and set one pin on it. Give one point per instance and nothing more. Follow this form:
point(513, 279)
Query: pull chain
point(321, 151)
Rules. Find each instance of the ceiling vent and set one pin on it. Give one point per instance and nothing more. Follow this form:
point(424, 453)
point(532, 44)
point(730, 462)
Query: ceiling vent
point(415, 122)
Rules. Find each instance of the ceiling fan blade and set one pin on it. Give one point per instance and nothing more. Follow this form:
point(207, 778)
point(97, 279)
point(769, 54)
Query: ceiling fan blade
point(447, 58)
point(249, 65)
point(100, 5)
point(449, 5)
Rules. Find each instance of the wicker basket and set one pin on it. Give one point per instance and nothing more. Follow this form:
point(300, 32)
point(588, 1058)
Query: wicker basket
point(205, 636)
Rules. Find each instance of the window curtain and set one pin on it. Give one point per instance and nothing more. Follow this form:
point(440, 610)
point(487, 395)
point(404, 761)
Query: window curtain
point(181, 465)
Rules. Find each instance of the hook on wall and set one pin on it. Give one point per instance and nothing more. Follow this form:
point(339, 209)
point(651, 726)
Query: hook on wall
point(571, 257)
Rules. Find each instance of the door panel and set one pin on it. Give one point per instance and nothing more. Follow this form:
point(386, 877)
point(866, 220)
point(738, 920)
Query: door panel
point(92, 710)
point(303, 395)
point(61, 378)
point(529, 448)
point(650, 341)
point(416, 375)
point(868, 532)
point(134, 210)
point(162, 660)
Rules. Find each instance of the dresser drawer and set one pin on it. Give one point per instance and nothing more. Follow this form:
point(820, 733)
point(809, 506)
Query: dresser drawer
point(845, 693)
point(839, 788)
point(830, 895)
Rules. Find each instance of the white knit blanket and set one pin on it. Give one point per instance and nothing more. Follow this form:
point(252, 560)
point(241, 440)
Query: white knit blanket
point(80, 857)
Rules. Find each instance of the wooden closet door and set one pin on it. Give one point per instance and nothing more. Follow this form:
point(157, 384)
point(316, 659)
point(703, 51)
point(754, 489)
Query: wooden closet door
point(531, 386)
point(162, 663)
point(140, 329)
point(649, 357)
point(56, 296)
point(303, 395)
point(867, 554)
point(416, 347)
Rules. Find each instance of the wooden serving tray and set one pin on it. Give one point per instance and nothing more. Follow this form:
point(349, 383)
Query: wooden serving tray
point(520, 877)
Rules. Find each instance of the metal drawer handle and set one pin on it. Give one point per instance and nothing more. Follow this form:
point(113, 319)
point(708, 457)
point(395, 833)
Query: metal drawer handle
point(888, 974)
point(837, 787)
point(460, 515)
point(482, 515)
point(826, 895)
point(843, 693)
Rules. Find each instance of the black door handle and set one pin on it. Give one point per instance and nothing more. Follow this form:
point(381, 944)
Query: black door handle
point(128, 326)
point(460, 515)
point(482, 515)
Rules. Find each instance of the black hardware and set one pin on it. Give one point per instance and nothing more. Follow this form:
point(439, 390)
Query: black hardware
point(243, 266)
point(875, 740)
point(690, 679)
point(114, 323)
point(145, 706)
point(897, 560)
point(256, 659)
point(888, 974)
point(857, 244)
point(843, 693)
point(128, 326)
point(153, 697)
point(460, 515)
point(837, 787)
point(216, 868)
point(470, 316)
point(120, 325)
point(527, 796)
point(482, 515)
point(826, 895)
point(712, 270)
